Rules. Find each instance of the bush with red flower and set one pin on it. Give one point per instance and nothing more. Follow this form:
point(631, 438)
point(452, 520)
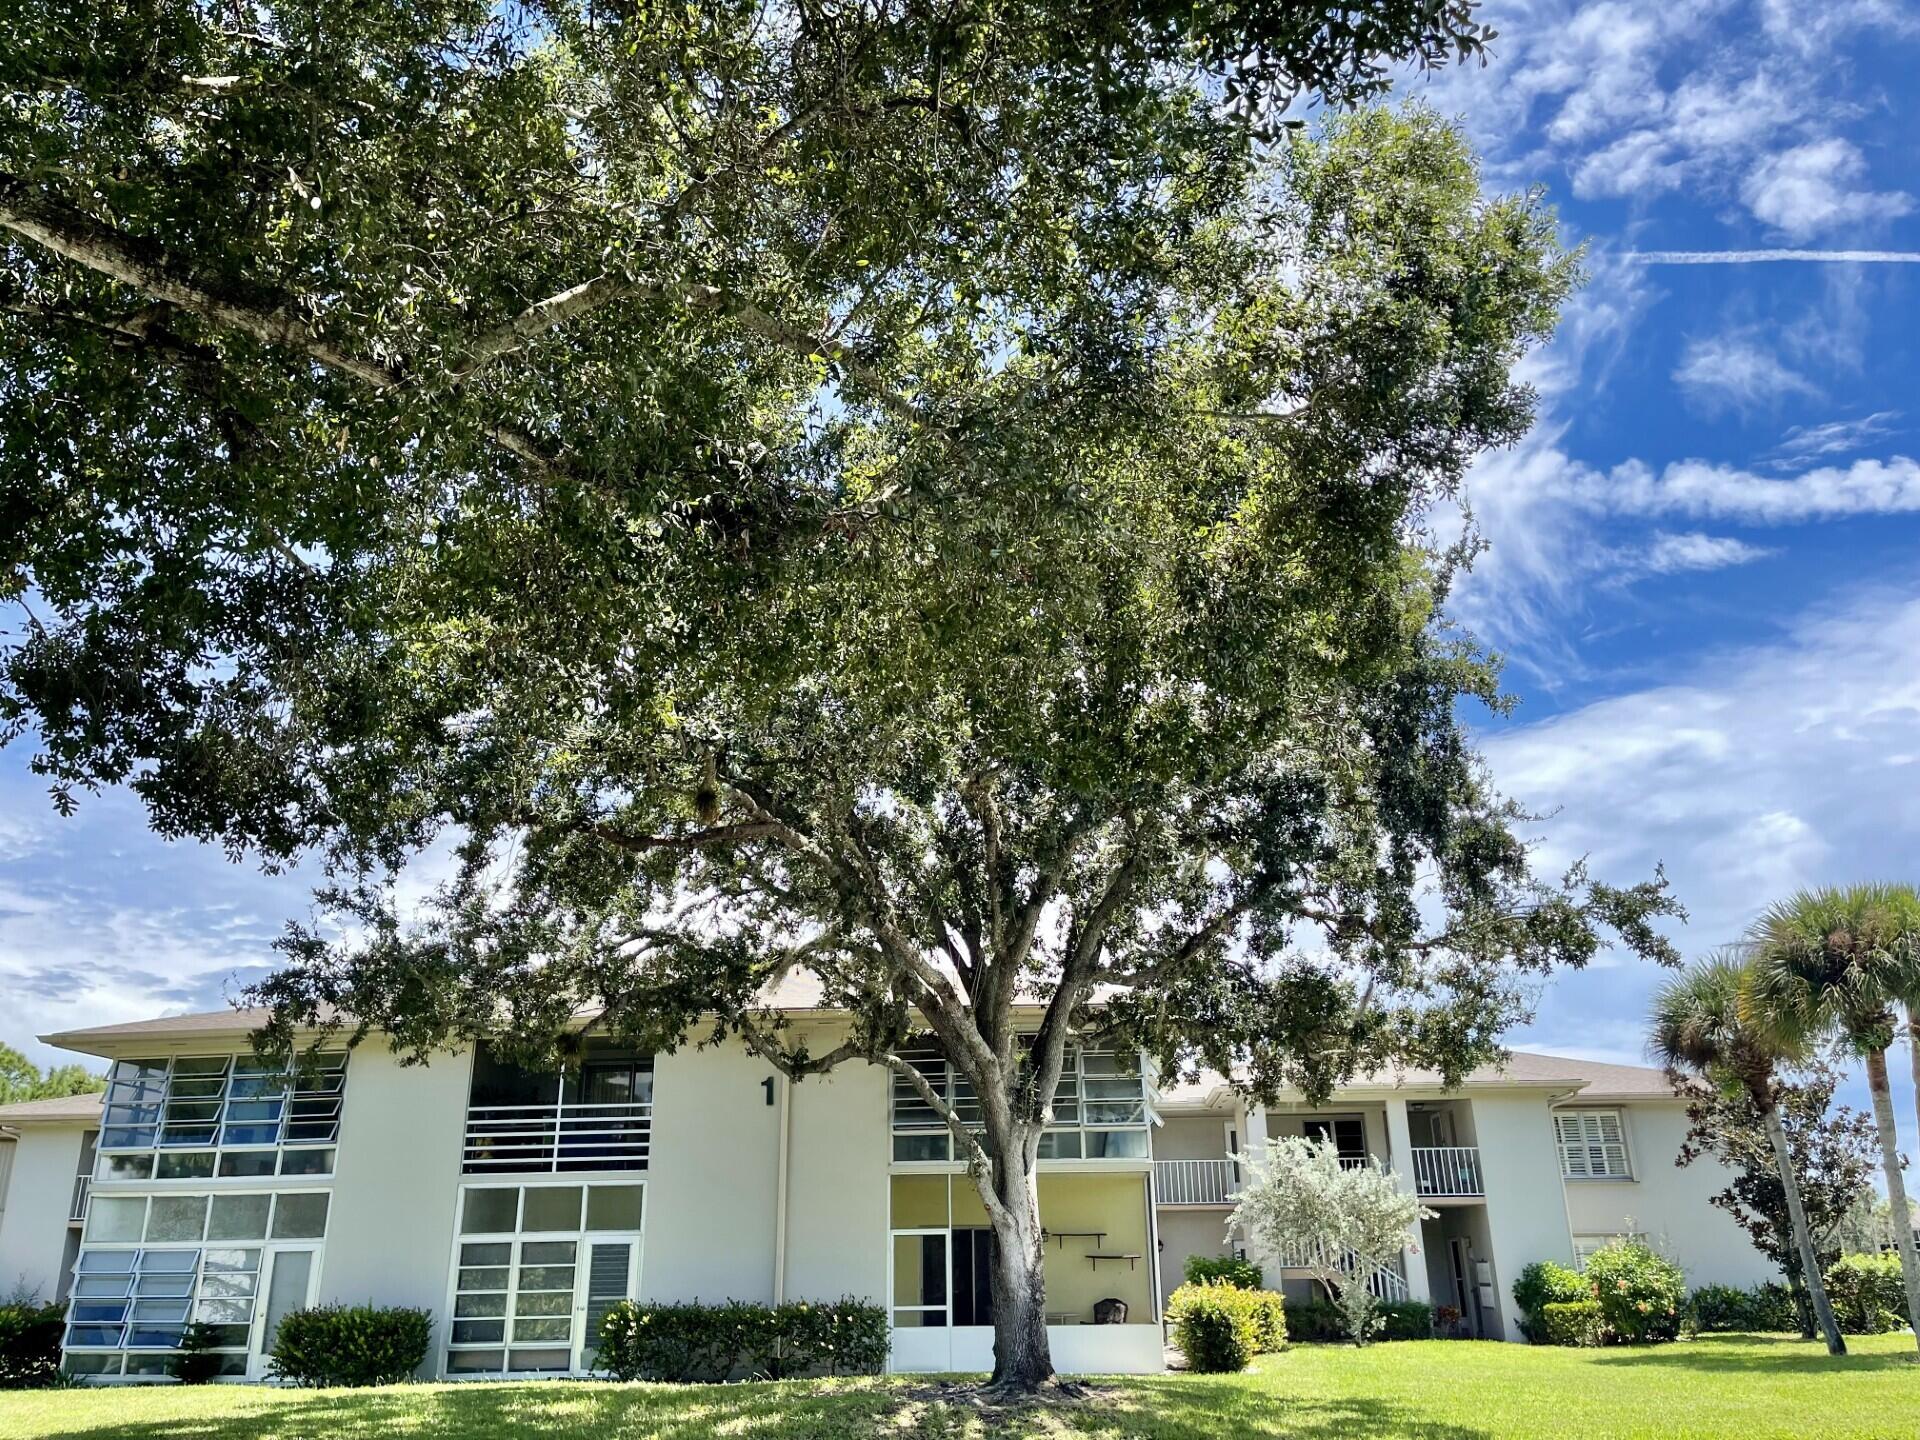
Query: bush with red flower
point(1642, 1294)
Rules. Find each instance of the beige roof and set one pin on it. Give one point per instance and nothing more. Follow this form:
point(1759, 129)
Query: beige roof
point(63, 1108)
point(1593, 1079)
point(167, 1027)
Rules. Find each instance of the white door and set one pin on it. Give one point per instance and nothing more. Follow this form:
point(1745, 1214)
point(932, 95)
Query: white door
point(1463, 1294)
point(289, 1277)
point(606, 1279)
point(1442, 1129)
point(920, 1282)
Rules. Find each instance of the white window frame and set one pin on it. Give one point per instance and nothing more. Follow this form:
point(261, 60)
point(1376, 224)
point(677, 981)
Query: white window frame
point(1589, 1141)
point(1073, 1090)
point(1586, 1245)
point(324, 1104)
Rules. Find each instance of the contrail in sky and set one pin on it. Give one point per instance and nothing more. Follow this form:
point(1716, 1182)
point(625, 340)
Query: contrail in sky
point(1760, 257)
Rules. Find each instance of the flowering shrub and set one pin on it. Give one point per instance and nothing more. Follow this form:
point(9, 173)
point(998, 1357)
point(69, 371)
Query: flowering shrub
point(1544, 1283)
point(714, 1342)
point(1220, 1327)
point(1641, 1294)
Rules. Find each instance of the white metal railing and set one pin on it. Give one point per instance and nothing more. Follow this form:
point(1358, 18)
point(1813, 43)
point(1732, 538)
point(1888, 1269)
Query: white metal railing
point(1387, 1282)
point(568, 1136)
point(1195, 1182)
point(1446, 1171)
point(1355, 1162)
point(82, 1191)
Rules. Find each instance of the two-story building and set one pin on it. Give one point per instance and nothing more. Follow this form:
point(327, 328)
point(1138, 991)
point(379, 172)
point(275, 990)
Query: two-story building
point(517, 1207)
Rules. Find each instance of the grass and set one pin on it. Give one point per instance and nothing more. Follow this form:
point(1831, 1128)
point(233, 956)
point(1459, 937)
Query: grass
point(1747, 1386)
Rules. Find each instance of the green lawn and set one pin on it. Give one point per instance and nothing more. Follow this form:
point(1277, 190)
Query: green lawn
point(1744, 1386)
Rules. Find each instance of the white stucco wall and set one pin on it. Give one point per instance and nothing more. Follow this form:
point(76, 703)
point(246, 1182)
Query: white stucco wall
point(710, 1185)
point(837, 1186)
point(396, 1177)
point(1191, 1137)
point(1667, 1204)
point(1526, 1218)
point(33, 1224)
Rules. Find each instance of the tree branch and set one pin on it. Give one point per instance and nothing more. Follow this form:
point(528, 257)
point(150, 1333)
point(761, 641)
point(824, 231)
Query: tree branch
point(689, 840)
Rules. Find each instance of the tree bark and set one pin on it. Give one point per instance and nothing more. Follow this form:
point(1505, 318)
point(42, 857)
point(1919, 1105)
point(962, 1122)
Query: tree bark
point(1022, 1359)
point(1896, 1185)
point(1802, 1234)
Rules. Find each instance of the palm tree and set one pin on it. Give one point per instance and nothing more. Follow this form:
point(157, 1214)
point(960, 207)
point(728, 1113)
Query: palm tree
point(1833, 965)
point(1696, 1027)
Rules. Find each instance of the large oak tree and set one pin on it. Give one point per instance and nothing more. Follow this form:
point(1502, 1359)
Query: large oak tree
point(930, 496)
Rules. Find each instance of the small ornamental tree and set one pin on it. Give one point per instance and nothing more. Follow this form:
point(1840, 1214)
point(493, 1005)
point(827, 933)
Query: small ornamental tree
point(1833, 1150)
point(1341, 1223)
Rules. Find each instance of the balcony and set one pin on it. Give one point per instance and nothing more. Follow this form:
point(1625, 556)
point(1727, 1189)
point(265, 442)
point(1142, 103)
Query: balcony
point(1387, 1282)
point(1195, 1182)
point(1448, 1172)
point(521, 1139)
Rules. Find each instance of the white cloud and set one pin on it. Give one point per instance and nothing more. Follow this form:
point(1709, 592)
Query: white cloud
point(1672, 554)
point(1705, 490)
point(1770, 768)
point(1737, 370)
point(1817, 188)
point(1836, 437)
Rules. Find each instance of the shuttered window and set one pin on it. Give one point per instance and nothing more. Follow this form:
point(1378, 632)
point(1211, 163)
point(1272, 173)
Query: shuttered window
point(1593, 1144)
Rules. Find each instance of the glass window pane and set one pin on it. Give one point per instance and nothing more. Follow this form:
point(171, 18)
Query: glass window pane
point(239, 1217)
point(489, 1277)
point(554, 1302)
point(148, 1364)
point(499, 1252)
point(614, 1207)
point(125, 1167)
point(286, 1288)
point(248, 1164)
point(173, 1286)
point(238, 1260)
point(106, 1262)
point(177, 1217)
point(307, 1162)
point(540, 1361)
point(169, 1262)
point(476, 1362)
point(299, 1217)
point(116, 1217)
point(546, 1277)
point(186, 1165)
point(490, 1212)
point(478, 1332)
point(1116, 1144)
point(79, 1336)
point(101, 1286)
point(228, 1285)
point(153, 1337)
point(921, 1147)
point(101, 1311)
point(547, 1252)
point(548, 1330)
point(479, 1307)
point(551, 1207)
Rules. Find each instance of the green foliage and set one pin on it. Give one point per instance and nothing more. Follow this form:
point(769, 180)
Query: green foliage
point(1764, 1308)
point(21, 1079)
point(1571, 1322)
point(1222, 1269)
point(1220, 1326)
point(351, 1345)
point(196, 1361)
point(1640, 1293)
point(1868, 1294)
point(1545, 1283)
point(1322, 1321)
point(695, 1342)
point(30, 1336)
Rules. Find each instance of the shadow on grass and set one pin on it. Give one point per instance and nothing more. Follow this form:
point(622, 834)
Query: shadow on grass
point(1761, 1354)
point(1182, 1408)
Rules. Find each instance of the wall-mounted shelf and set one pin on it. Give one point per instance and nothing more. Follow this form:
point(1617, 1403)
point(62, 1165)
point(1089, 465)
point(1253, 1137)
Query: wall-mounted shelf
point(1096, 1256)
point(1099, 1237)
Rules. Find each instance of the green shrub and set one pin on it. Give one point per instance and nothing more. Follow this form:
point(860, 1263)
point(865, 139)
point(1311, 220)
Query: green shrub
point(197, 1361)
point(1209, 1269)
point(1720, 1309)
point(1220, 1327)
point(351, 1345)
point(1868, 1295)
point(30, 1338)
point(1322, 1321)
point(696, 1342)
point(1641, 1294)
point(1570, 1322)
point(1544, 1283)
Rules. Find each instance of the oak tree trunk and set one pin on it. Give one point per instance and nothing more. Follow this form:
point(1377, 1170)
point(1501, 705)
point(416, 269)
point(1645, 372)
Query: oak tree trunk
point(1022, 1360)
point(1802, 1235)
point(1882, 1094)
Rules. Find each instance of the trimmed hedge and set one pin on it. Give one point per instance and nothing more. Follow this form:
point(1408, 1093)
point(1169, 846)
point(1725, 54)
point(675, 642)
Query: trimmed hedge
point(1570, 1322)
point(351, 1345)
point(1544, 1283)
point(30, 1338)
point(1323, 1321)
point(696, 1342)
point(1868, 1295)
point(1721, 1309)
point(1220, 1327)
point(1223, 1269)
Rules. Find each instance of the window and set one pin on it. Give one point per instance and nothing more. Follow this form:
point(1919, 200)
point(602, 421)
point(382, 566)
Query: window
point(1099, 1109)
point(1593, 1144)
point(1348, 1134)
point(1584, 1246)
point(526, 1257)
point(596, 1117)
point(129, 1307)
point(197, 1116)
point(189, 1219)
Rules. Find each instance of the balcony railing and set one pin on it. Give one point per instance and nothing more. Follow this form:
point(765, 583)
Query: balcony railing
point(1448, 1171)
point(506, 1138)
point(1195, 1182)
point(82, 1190)
point(1387, 1282)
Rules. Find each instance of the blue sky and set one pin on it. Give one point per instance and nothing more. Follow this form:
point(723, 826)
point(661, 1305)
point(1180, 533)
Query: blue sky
point(1703, 570)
